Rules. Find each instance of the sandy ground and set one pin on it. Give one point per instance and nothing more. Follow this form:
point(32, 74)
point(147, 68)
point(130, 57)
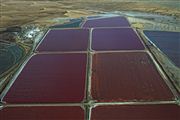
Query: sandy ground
point(43, 12)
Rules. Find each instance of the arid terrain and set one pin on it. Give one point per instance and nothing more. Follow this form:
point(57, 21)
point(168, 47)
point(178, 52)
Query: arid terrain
point(44, 12)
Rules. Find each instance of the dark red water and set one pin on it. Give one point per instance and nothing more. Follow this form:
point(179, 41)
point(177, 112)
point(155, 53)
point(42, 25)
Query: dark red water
point(107, 22)
point(42, 113)
point(136, 112)
point(127, 77)
point(116, 77)
point(65, 40)
point(50, 78)
point(115, 39)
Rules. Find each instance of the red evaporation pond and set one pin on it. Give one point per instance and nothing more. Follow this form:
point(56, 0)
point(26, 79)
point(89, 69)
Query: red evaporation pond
point(115, 39)
point(42, 113)
point(127, 76)
point(136, 112)
point(107, 22)
point(50, 78)
point(65, 40)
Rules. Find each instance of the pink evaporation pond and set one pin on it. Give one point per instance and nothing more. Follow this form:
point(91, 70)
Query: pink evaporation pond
point(107, 22)
point(105, 39)
point(50, 78)
point(136, 112)
point(65, 40)
point(129, 76)
point(42, 113)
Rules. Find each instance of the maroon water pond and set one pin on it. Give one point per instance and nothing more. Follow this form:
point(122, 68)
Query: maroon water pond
point(48, 78)
point(65, 40)
point(42, 113)
point(129, 76)
point(107, 22)
point(104, 39)
point(136, 112)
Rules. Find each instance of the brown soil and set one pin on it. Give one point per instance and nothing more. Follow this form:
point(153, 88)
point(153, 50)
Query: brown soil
point(42, 12)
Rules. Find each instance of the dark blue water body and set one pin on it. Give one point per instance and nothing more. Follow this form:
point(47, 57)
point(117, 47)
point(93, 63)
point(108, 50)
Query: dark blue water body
point(72, 24)
point(167, 42)
point(10, 54)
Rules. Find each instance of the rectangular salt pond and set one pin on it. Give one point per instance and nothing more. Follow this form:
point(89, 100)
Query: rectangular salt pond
point(65, 40)
point(50, 78)
point(107, 39)
point(107, 22)
point(130, 76)
point(136, 112)
point(42, 113)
